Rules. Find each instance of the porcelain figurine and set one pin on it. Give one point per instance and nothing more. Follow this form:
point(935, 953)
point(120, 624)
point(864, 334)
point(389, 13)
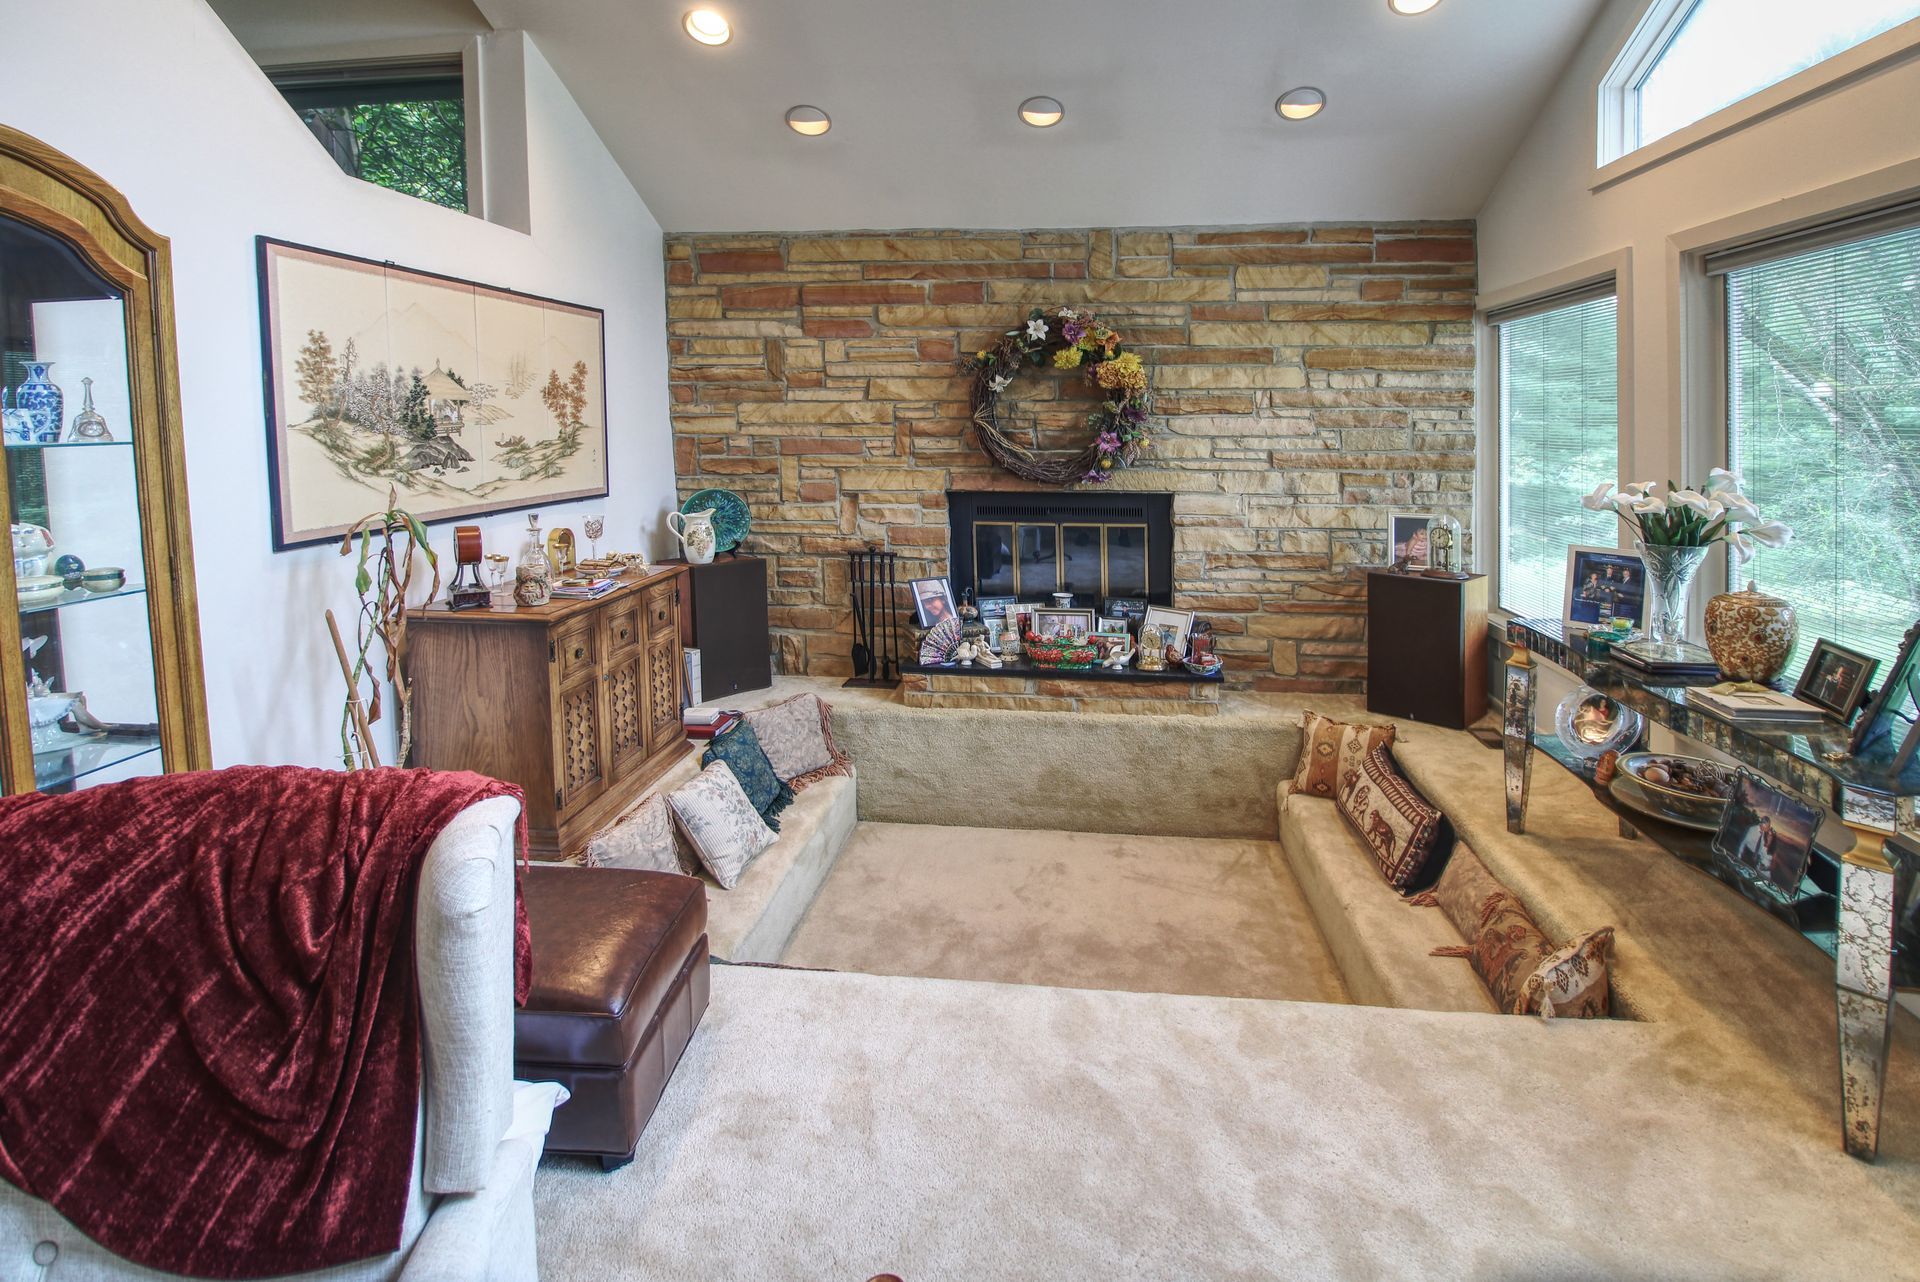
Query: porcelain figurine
point(695, 532)
point(31, 544)
point(965, 653)
point(988, 658)
point(1120, 657)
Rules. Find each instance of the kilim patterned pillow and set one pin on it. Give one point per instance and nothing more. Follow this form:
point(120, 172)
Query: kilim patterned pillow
point(1330, 750)
point(1571, 984)
point(1506, 947)
point(1392, 820)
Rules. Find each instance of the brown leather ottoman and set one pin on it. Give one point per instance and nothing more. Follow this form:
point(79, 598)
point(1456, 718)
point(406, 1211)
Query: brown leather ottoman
point(620, 980)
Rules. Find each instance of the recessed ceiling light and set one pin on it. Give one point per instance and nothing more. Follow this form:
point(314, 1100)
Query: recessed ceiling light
point(708, 27)
point(1411, 7)
point(1042, 112)
point(1303, 103)
point(810, 121)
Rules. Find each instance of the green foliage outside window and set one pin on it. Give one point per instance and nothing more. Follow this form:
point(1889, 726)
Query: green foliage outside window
point(417, 147)
point(1824, 391)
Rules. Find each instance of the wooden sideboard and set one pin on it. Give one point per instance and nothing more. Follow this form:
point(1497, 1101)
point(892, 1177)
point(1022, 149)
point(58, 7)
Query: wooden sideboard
point(578, 702)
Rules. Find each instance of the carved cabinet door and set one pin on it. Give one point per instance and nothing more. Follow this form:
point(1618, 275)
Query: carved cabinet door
point(625, 686)
point(580, 752)
point(663, 666)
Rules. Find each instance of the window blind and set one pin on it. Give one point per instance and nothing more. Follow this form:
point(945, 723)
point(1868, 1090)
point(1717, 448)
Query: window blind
point(1823, 397)
point(1559, 437)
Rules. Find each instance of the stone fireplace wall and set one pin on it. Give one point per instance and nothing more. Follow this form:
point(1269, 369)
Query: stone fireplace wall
point(1306, 380)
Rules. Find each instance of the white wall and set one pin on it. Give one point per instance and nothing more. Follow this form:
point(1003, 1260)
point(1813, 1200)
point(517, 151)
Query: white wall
point(160, 100)
point(1542, 219)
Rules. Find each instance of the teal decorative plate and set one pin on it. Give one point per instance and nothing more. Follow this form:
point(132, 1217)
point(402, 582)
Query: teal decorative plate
point(731, 519)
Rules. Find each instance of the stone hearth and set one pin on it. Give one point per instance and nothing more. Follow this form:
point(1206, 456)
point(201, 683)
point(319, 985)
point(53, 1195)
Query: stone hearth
point(1306, 381)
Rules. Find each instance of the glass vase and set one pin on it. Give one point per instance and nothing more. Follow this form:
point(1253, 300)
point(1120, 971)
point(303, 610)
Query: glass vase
point(1670, 571)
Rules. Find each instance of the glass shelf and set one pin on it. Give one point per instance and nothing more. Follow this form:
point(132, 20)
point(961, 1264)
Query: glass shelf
point(65, 766)
point(80, 596)
point(71, 445)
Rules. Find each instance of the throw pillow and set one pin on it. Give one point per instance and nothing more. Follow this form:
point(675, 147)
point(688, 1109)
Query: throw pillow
point(1329, 750)
point(643, 838)
point(1395, 822)
point(797, 735)
point(740, 748)
point(722, 825)
point(1572, 983)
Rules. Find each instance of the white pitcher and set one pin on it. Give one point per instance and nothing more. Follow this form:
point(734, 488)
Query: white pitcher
point(695, 532)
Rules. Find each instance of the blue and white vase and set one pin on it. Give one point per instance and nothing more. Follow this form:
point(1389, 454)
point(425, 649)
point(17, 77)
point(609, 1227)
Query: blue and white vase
point(43, 402)
point(16, 426)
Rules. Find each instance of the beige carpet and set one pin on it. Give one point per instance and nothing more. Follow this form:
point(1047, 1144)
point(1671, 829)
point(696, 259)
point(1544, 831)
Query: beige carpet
point(1075, 910)
point(833, 1126)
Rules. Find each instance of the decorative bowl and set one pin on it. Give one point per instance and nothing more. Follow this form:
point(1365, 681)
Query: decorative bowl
point(37, 589)
point(1689, 790)
point(1591, 725)
point(731, 516)
point(104, 578)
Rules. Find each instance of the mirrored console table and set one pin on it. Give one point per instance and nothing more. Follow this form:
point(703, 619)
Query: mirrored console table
point(1850, 911)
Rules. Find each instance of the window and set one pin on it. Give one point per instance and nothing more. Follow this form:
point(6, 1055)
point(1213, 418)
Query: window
point(1690, 58)
point(400, 125)
point(1823, 400)
point(1559, 437)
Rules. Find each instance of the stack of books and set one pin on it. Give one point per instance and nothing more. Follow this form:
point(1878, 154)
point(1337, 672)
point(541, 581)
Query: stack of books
point(584, 589)
point(1744, 701)
point(1683, 662)
point(706, 723)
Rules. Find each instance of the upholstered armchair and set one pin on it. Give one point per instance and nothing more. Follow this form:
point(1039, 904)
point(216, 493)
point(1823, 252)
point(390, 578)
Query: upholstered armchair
point(470, 1213)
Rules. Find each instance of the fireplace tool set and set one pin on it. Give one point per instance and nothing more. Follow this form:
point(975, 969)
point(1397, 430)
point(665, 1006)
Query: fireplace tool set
point(876, 618)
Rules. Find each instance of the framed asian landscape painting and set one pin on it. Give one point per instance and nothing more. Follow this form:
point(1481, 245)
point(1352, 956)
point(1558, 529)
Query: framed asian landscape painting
point(463, 398)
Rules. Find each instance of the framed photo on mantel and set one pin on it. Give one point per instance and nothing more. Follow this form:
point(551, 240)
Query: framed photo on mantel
point(464, 399)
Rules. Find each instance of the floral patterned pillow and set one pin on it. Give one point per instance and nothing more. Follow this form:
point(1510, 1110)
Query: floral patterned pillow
point(643, 838)
point(1330, 750)
point(797, 735)
point(740, 748)
point(721, 824)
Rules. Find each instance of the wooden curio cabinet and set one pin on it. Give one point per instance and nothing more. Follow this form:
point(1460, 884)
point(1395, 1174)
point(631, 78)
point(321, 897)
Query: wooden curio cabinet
point(100, 674)
point(578, 702)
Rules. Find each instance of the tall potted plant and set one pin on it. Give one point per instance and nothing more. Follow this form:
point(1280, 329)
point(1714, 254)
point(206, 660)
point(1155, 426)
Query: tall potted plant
point(1672, 533)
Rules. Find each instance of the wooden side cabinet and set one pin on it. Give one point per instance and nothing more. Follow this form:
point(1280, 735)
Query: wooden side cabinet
point(578, 702)
point(1427, 648)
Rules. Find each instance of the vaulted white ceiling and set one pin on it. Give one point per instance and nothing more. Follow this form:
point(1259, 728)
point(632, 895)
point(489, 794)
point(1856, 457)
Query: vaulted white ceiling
point(1169, 104)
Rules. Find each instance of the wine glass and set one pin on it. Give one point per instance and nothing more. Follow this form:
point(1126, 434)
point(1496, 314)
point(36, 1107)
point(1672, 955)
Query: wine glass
point(595, 526)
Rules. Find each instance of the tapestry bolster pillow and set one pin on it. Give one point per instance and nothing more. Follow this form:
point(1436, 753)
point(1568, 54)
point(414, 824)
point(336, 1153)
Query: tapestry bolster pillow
point(1392, 820)
point(1508, 950)
point(720, 823)
point(1330, 750)
point(643, 838)
point(739, 747)
point(797, 736)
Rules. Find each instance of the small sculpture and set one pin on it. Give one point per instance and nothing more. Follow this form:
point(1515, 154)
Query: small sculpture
point(1120, 656)
point(965, 653)
point(988, 658)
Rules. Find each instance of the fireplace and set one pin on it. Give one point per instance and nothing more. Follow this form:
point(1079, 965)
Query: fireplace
point(1094, 545)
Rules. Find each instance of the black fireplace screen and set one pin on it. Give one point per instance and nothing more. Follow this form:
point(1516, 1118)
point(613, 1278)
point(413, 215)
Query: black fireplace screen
point(1095, 546)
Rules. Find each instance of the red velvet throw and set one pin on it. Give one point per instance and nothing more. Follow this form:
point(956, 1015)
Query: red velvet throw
point(210, 1035)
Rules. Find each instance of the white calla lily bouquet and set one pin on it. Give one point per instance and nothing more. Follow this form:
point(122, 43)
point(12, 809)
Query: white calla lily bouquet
point(1717, 512)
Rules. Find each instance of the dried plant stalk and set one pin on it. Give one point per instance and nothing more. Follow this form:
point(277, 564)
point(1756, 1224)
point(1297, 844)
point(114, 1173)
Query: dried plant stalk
point(387, 542)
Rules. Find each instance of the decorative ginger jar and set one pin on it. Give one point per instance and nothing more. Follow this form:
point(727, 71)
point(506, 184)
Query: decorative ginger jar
point(1750, 634)
point(43, 402)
